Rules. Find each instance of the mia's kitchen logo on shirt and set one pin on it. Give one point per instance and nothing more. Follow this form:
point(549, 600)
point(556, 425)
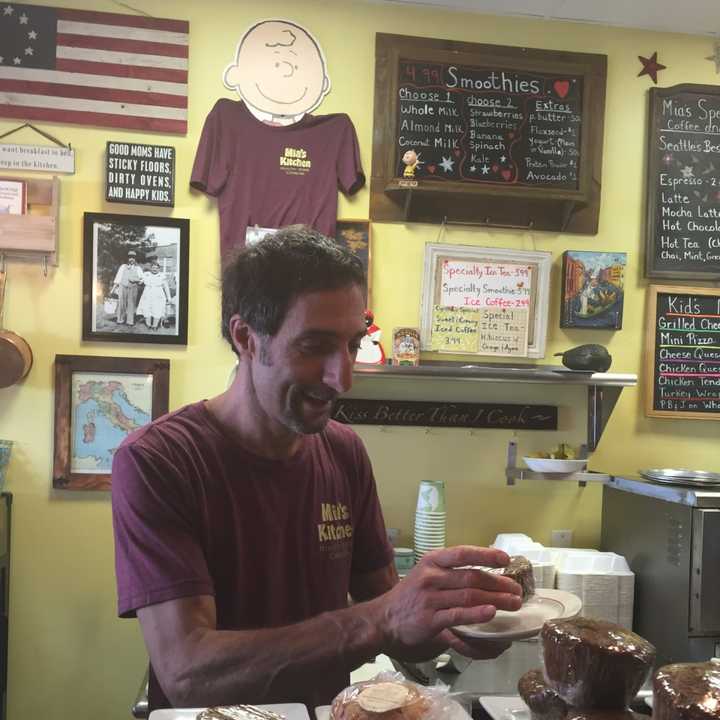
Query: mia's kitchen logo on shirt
point(335, 530)
point(294, 161)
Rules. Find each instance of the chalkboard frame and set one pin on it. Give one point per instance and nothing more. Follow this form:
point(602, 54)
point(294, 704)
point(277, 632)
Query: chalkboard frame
point(655, 98)
point(518, 207)
point(650, 348)
point(541, 260)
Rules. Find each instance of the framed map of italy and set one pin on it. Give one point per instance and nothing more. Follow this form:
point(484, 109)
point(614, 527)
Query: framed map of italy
point(99, 401)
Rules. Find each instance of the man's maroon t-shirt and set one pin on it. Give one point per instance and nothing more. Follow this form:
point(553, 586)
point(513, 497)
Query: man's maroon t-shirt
point(275, 542)
point(273, 175)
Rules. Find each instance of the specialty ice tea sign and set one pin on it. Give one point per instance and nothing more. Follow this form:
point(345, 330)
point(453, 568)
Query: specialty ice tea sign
point(140, 174)
point(683, 183)
point(683, 359)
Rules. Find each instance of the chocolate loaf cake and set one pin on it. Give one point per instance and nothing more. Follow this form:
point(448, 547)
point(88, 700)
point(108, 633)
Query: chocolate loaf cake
point(687, 691)
point(593, 663)
point(544, 702)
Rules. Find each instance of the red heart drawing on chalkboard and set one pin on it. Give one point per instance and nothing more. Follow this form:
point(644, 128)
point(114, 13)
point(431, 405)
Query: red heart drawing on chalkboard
point(562, 87)
point(431, 168)
point(495, 168)
point(507, 174)
point(457, 153)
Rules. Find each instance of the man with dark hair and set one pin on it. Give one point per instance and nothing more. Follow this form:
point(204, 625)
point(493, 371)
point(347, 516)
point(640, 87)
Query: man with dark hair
point(242, 523)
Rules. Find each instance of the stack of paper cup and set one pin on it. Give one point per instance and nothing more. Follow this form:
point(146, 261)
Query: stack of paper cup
point(430, 517)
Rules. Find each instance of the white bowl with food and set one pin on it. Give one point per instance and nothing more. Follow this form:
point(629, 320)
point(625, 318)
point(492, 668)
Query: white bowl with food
point(551, 465)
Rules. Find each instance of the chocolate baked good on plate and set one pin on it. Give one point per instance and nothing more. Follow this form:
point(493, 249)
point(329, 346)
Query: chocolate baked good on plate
point(690, 691)
point(543, 701)
point(593, 663)
point(520, 570)
point(372, 700)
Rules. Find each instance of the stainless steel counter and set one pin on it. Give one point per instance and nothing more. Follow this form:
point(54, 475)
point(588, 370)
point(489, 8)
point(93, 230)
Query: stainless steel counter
point(684, 495)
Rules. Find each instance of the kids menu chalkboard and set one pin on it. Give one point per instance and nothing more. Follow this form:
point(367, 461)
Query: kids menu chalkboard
point(683, 183)
point(683, 357)
point(487, 134)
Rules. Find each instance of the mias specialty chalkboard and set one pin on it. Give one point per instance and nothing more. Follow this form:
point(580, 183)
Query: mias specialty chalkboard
point(683, 183)
point(683, 353)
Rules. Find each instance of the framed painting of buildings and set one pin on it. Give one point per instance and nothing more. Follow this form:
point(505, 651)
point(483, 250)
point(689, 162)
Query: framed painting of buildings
point(592, 289)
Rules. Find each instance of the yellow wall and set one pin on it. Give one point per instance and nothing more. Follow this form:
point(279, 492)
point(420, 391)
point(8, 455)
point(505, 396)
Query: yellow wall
point(69, 655)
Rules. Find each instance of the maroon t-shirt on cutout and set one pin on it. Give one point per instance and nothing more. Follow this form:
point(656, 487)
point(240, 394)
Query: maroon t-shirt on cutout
point(275, 542)
point(274, 175)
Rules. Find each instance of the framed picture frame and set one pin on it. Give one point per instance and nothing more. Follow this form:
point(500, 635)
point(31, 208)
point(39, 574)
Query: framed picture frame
point(593, 288)
point(485, 301)
point(135, 278)
point(98, 402)
point(355, 236)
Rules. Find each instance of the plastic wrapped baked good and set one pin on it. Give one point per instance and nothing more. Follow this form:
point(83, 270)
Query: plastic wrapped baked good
point(543, 701)
point(687, 691)
point(593, 663)
point(521, 571)
point(389, 696)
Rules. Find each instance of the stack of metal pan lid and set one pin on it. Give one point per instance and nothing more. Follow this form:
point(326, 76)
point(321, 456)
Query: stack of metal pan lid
point(670, 476)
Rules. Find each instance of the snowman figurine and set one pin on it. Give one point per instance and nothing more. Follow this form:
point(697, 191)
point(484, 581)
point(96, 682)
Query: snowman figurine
point(371, 351)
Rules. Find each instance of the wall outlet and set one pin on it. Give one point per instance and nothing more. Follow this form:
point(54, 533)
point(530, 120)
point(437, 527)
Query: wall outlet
point(561, 538)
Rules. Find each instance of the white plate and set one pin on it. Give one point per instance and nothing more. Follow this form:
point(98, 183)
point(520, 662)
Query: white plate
point(559, 466)
point(456, 712)
point(505, 707)
point(291, 711)
point(545, 604)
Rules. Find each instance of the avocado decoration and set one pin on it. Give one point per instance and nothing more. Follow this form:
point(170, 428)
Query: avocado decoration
point(594, 358)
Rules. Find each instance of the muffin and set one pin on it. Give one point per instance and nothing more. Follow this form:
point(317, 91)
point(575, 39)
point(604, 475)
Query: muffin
point(593, 663)
point(690, 691)
point(543, 701)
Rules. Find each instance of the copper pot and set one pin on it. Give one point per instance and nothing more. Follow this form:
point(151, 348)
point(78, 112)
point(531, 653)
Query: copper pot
point(16, 356)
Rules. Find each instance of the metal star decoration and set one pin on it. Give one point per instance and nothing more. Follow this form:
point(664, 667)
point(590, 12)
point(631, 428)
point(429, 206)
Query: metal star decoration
point(651, 66)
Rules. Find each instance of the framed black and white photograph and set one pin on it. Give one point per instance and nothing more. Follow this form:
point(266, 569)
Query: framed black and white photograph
point(135, 278)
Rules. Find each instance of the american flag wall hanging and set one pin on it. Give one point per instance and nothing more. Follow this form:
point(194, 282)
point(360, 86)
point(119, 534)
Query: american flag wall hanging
point(93, 68)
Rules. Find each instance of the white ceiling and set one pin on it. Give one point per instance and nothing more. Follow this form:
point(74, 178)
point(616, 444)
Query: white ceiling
point(697, 17)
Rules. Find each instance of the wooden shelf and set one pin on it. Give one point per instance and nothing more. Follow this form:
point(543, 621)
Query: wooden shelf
point(511, 208)
point(35, 233)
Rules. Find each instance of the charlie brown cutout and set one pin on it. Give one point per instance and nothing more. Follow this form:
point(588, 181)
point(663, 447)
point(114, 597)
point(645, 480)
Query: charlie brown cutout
point(266, 158)
point(279, 71)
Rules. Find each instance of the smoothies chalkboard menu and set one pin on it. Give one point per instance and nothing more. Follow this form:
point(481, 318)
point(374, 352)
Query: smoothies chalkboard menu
point(683, 358)
point(487, 134)
point(481, 125)
point(683, 184)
